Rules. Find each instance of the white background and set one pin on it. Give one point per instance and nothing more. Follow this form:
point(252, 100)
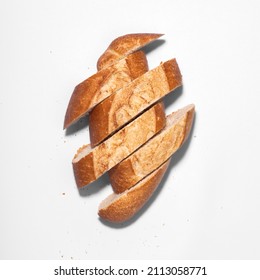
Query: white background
point(208, 204)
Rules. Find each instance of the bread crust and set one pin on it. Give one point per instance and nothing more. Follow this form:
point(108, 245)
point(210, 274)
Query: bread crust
point(102, 84)
point(128, 102)
point(123, 46)
point(153, 153)
point(126, 205)
point(103, 157)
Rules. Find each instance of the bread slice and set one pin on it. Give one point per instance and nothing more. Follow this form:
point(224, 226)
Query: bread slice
point(89, 164)
point(154, 152)
point(126, 103)
point(102, 84)
point(123, 46)
point(122, 207)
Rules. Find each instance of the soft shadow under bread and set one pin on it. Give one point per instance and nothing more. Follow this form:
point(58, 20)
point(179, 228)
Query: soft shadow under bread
point(81, 124)
point(170, 98)
point(95, 186)
point(153, 45)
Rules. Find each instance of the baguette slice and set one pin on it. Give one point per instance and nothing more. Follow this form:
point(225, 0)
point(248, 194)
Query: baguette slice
point(119, 208)
point(123, 46)
point(102, 84)
point(89, 164)
point(154, 152)
point(128, 102)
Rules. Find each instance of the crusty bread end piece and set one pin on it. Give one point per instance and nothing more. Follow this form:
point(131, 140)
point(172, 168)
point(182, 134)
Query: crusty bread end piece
point(131, 100)
point(119, 208)
point(123, 46)
point(102, 84)
point(154, 152)
point(89, 164)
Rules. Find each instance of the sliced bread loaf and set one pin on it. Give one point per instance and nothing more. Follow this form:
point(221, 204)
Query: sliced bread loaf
point(89, 164)
point(154, 152)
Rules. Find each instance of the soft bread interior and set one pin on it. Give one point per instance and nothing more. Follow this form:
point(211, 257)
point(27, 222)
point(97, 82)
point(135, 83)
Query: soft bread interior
point(81, 153)
point(176, 116)
point(110, 199)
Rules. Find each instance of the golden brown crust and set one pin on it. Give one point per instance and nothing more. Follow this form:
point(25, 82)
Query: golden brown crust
point(131, 100)
point(103, 157)
point(172, 73)
point(102, 84)
point(137, 66)
point(153, 153)
point(129, 203)
point(122, 176)
point(98, 129)
point(123, 46)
